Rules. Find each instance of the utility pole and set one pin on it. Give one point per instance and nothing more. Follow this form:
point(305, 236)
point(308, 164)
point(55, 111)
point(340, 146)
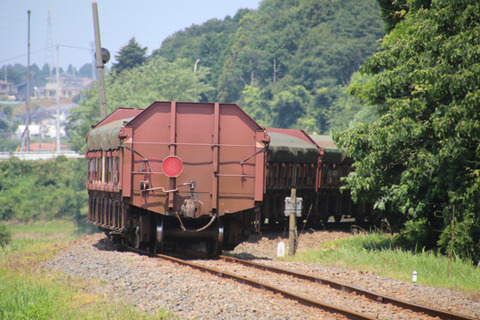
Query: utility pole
point(27, 130)
point(292, 225)
point(99, 60)
point(57, 121)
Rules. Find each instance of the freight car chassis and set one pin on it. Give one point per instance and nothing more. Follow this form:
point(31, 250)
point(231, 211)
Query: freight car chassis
point(143, 229)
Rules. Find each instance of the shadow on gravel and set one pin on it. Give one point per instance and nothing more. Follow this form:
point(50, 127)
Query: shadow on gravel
point(246, 256)
point(105, 244)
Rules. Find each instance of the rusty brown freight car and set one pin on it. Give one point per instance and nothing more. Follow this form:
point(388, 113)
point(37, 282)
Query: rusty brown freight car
point(314, 166)
point(176, 171)
point(293, 161)
point(331, 202)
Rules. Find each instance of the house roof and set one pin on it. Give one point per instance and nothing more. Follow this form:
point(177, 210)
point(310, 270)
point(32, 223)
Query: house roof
point(36, 115)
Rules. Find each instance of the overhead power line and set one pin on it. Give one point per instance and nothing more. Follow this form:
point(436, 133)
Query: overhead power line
point(22, 56)
point(43, 49)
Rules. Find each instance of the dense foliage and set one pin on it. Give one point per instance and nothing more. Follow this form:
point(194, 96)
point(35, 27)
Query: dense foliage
point(42, 190)
point(288, 63)
point(420, 161)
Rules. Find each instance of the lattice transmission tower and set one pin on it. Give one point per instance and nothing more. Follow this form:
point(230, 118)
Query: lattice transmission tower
point(49, 57)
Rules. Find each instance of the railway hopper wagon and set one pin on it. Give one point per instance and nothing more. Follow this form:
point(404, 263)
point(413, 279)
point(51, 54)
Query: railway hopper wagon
point(313, 165)
point(331, 201)
point(292, 162)
point(176, 173)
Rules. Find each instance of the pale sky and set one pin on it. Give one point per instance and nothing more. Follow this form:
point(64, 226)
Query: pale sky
point(149, 21)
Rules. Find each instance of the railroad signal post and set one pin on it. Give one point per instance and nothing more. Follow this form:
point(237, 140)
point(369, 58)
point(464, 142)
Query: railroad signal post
point(293, 209)
point(100, 58)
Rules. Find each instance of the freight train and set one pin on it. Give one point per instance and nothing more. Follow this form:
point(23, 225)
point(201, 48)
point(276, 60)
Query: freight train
point(204, 175)
point(314, 166)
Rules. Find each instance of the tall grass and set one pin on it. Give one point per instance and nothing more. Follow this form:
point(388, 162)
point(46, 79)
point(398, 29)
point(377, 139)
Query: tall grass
point(29, 292)
point(25, 298)
point(378, 253)
point(48, 231)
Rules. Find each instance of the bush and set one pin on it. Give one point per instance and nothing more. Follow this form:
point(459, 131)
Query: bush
point(42, 190)
point(5, 235)
point(417, 236)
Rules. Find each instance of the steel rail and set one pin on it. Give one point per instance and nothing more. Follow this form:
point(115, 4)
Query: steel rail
point(442, 314)
point(260, 285)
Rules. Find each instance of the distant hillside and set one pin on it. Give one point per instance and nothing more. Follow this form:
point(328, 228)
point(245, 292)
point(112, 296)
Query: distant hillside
point(286, 63)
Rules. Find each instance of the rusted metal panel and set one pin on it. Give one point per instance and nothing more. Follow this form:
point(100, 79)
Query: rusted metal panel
point(240, 138)
point(215, 149)
point(331, 153)
point(106, 210)
point(120, 113)
point(293, 159)
point(260, 165)
point(172, 147)
point(127, 163)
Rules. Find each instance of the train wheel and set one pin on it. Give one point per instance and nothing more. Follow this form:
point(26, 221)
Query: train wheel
point(157, 239)
point(337, 217)
point(325, 219)
point(215, 246)
point(135, 239)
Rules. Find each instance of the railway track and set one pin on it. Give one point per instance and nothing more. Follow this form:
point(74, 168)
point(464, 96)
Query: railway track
point(310, 288)
point(442, 314)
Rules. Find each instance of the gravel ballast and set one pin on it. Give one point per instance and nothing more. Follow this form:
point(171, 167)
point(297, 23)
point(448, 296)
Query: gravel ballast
point(190, 294)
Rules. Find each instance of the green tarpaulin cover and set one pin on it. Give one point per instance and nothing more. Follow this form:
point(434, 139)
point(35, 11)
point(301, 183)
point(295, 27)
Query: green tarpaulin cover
point(106, 137)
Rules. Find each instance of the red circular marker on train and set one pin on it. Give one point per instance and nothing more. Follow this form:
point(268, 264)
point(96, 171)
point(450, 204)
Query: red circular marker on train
point(172, 166)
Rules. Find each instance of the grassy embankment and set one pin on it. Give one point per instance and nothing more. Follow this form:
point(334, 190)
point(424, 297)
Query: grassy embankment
point(378, 253)
point(28, 292)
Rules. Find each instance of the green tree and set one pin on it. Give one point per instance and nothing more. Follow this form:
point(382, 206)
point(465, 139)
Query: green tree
point(15, 73)
point(86, 70)
point(210, 42)
point(46, 70)
point(255, 105)
point(129, 56)
point(289, 105)
point(71, 69)
point(230, 83)
point(394, 11)
point(346, 110)
point(420, 161)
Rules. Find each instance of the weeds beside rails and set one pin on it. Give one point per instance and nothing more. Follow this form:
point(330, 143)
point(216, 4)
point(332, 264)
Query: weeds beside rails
point(27, 291)
point(376, 252)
